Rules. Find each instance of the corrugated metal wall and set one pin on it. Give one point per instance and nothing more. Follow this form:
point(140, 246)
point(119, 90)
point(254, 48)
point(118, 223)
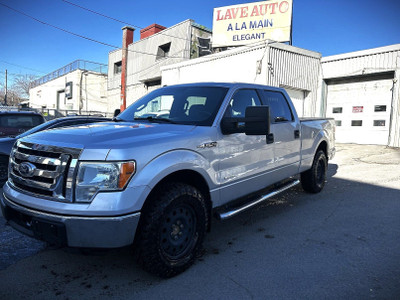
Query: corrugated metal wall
point(144, 64)
point(143, 67)
point(361, 63)
point(369, 62)
point(274, 64)
point(297, 69)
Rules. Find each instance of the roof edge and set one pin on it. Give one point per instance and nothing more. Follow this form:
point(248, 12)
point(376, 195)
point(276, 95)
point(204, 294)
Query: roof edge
point(390, 48)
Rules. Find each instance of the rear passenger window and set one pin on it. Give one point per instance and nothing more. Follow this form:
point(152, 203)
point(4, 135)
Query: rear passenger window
point(279, 108)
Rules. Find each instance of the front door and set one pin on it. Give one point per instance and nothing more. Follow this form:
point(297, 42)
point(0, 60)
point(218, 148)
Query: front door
point(243, 160)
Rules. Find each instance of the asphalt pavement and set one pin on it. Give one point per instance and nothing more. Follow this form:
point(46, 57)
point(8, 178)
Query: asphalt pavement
point(343, 243)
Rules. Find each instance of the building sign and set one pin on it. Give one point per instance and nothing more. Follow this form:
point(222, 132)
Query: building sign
point(251, 22)
point(358, 109)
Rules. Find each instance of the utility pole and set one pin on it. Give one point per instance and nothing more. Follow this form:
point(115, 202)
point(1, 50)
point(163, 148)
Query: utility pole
point(5, 95)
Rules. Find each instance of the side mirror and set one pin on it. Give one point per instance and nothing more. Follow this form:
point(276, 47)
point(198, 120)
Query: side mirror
point(117, 112)
point(255, 122)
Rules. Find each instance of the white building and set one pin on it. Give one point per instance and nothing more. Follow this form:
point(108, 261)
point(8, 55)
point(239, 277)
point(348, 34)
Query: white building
point(158, 46)
point(79, 87)
point(361, 91)
point(297, 70)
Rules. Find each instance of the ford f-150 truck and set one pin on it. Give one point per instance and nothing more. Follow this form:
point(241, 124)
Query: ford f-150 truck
point(156, 174)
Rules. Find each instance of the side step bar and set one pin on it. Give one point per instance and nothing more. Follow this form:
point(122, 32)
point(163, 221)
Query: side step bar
point(236, 210)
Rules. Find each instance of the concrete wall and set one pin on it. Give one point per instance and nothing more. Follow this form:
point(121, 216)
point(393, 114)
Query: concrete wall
point(89, 92)
point(144, 63)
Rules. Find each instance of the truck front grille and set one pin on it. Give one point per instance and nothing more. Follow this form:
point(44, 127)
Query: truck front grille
point(43, 170)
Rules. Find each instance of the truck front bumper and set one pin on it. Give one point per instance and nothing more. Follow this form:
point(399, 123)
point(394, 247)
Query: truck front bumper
point(72, 231)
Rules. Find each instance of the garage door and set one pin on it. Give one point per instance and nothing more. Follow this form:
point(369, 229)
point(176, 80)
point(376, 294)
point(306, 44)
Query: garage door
point(297, 97)
point(361, 110)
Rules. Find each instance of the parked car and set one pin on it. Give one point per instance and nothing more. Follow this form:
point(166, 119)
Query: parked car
point(13, 123)
point(156, 182)
point(6, 143)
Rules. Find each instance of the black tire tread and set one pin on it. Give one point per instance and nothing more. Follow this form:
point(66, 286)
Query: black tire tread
point(149, 256)
point(308, 178)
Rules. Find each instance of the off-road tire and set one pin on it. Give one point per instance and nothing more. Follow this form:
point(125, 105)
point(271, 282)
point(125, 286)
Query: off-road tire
point(313, 180)
point(171, 230)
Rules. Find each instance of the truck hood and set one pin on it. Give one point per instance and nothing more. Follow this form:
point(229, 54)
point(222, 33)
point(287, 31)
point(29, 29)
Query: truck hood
point(101, 137)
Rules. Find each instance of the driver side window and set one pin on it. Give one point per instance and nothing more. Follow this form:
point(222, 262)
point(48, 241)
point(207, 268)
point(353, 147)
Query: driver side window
point(240, 100)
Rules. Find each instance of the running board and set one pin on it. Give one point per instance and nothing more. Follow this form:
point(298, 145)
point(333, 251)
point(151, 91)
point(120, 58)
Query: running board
point(234, 211)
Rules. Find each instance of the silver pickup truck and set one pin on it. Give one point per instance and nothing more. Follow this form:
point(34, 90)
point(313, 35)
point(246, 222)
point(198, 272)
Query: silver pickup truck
point(156, 175)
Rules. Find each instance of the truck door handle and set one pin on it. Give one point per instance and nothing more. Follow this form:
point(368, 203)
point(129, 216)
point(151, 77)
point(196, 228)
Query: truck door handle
point(297, 134)
point(270, 138)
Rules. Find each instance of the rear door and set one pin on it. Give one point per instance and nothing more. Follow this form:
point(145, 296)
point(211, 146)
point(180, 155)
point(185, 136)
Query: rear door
point(285, 129)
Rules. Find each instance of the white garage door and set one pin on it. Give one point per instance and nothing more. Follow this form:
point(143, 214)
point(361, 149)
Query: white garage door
point(297, 97)
point(361, 110)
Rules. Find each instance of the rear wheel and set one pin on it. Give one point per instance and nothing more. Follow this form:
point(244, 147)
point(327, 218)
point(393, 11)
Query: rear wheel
point(313, 180)
point(172, 230)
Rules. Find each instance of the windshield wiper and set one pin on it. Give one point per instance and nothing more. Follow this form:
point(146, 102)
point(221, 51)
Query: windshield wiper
point(155, 119)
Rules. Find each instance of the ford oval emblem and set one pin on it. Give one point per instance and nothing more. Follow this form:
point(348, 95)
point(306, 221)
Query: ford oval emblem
point(27, 169)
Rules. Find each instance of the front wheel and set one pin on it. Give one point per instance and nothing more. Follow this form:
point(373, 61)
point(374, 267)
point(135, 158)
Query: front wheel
point(172, 230)
point(313, 180)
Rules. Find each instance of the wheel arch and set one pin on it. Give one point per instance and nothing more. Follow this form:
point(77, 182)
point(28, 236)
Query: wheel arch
point(324, 147)
point(189, 177)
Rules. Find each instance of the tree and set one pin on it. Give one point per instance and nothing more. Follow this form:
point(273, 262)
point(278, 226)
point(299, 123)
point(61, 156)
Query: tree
point(23, 83)
point(18, 91)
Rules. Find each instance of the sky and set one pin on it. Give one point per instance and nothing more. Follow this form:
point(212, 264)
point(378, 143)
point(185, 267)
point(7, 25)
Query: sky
point(28, 46)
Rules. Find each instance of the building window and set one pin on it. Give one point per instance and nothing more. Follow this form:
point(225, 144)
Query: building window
point(379, 122)
point(163, 50)
point(338, 123)
point(150, 83)
point(68, 90)
point(204, 46)
point(118, 67)
point(380, 108)
point(356, 123)
point(337, 110)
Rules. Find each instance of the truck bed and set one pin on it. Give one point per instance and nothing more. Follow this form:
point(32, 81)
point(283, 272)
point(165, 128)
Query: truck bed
point(307, 119)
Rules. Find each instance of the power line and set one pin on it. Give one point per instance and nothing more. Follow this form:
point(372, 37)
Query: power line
point(10, 74)
point(116, 20)
point(75, 34)
point(19, 66)
point(59, 28)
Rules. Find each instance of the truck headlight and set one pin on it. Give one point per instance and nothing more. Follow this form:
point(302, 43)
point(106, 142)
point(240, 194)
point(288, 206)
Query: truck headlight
point(94, 177)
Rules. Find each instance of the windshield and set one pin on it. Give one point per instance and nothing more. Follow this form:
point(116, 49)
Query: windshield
point(179, 105)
